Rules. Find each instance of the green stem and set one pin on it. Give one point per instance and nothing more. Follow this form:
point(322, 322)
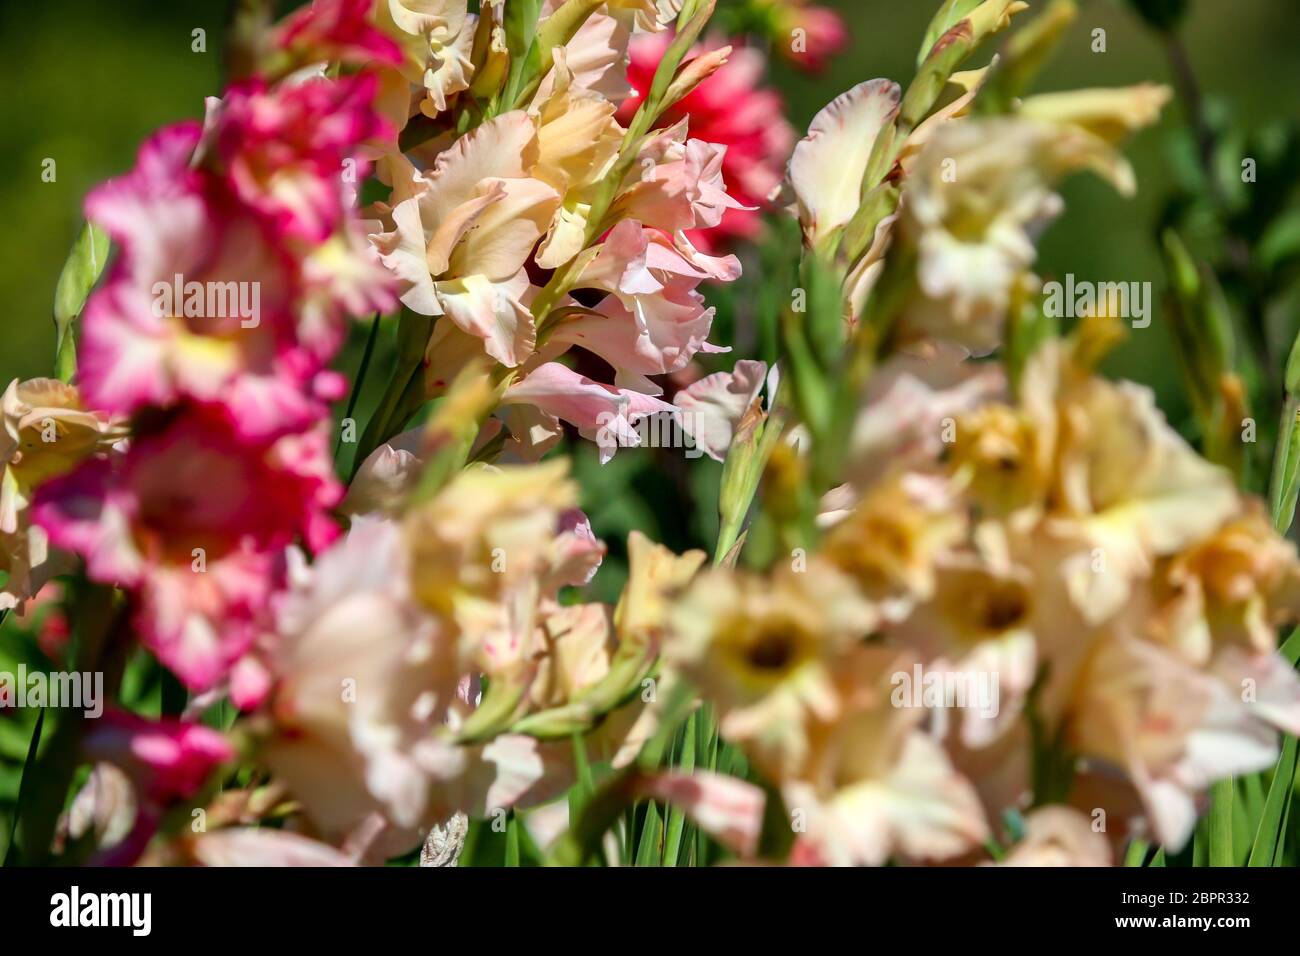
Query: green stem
point(357, 382)
point(404, 393)
point(24, 786)
point(103, 622)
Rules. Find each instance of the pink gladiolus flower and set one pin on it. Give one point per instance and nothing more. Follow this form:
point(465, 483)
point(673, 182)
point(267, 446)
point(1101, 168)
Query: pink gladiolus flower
point(196, 519)
point(807, 35)
point(578, 552)
point(716, 404)
point(231, 289)
point(287, 150)
point(685, 193)
point(602, 413)
point(239, 258)
point(341, 30)
point(654, 321)
point(262, 846)
point(166, 759)
point(732, 110)
point(163, 760)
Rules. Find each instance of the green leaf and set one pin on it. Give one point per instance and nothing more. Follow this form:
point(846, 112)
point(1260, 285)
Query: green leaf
point(1137, 853)
point(404, 393)
point(1292, 378)
point(1279, 855)
point(676, 818)
point(1284, 485)
point(80, 272)
point(512, 841)
point(1268, 836)
point(485, 845)
point(581, 791)
point(1251, 799)
point(709, 746)
point(24, 787)
point(1281, 242)
point(1290, 649)
point(1201, 843)
point(647, 851)
point(1220, 849)
point(99, 619)
point(359, 380)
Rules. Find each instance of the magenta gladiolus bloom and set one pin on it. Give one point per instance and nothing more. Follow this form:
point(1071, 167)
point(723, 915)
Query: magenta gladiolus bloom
point(195, 519)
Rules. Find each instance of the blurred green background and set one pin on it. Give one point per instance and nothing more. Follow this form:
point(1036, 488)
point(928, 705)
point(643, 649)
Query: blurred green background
point(86, 81)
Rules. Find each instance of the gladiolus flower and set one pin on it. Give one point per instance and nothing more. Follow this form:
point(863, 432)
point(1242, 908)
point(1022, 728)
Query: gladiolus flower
point(731, 110)
point(288, 151)
point(46, 433)
point(763, 651)
point(166, 759)
point(806, 34)
point(1059, 836)
point(339, 30)
point(196, 520)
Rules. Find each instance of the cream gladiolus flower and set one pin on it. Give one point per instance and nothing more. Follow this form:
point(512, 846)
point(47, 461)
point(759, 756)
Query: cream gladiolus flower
point(1233, 588)
point(890, 543)
point(762, 650)
point(46, 433)
point(366, 699)
point(1173, 728)
point(386, 477)
point(979, 193)
point(873, 785)
point(574, 650)
point(909, 414)
point(655, 576)
point(1003, 461)
point(365, 680)
point(489, 528)
point(828, 165)
point(1127, 490)
point(1110, 114)
point(463, 231)
point(579, 142)
point(982, 623)
point(436, 38)
point(1059, 836)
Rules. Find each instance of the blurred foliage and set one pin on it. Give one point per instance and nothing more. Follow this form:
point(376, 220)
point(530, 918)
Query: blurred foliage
point(1162, 14)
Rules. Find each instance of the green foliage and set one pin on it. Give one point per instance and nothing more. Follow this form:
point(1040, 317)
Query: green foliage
point(1161, 14)
point(85, 263)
